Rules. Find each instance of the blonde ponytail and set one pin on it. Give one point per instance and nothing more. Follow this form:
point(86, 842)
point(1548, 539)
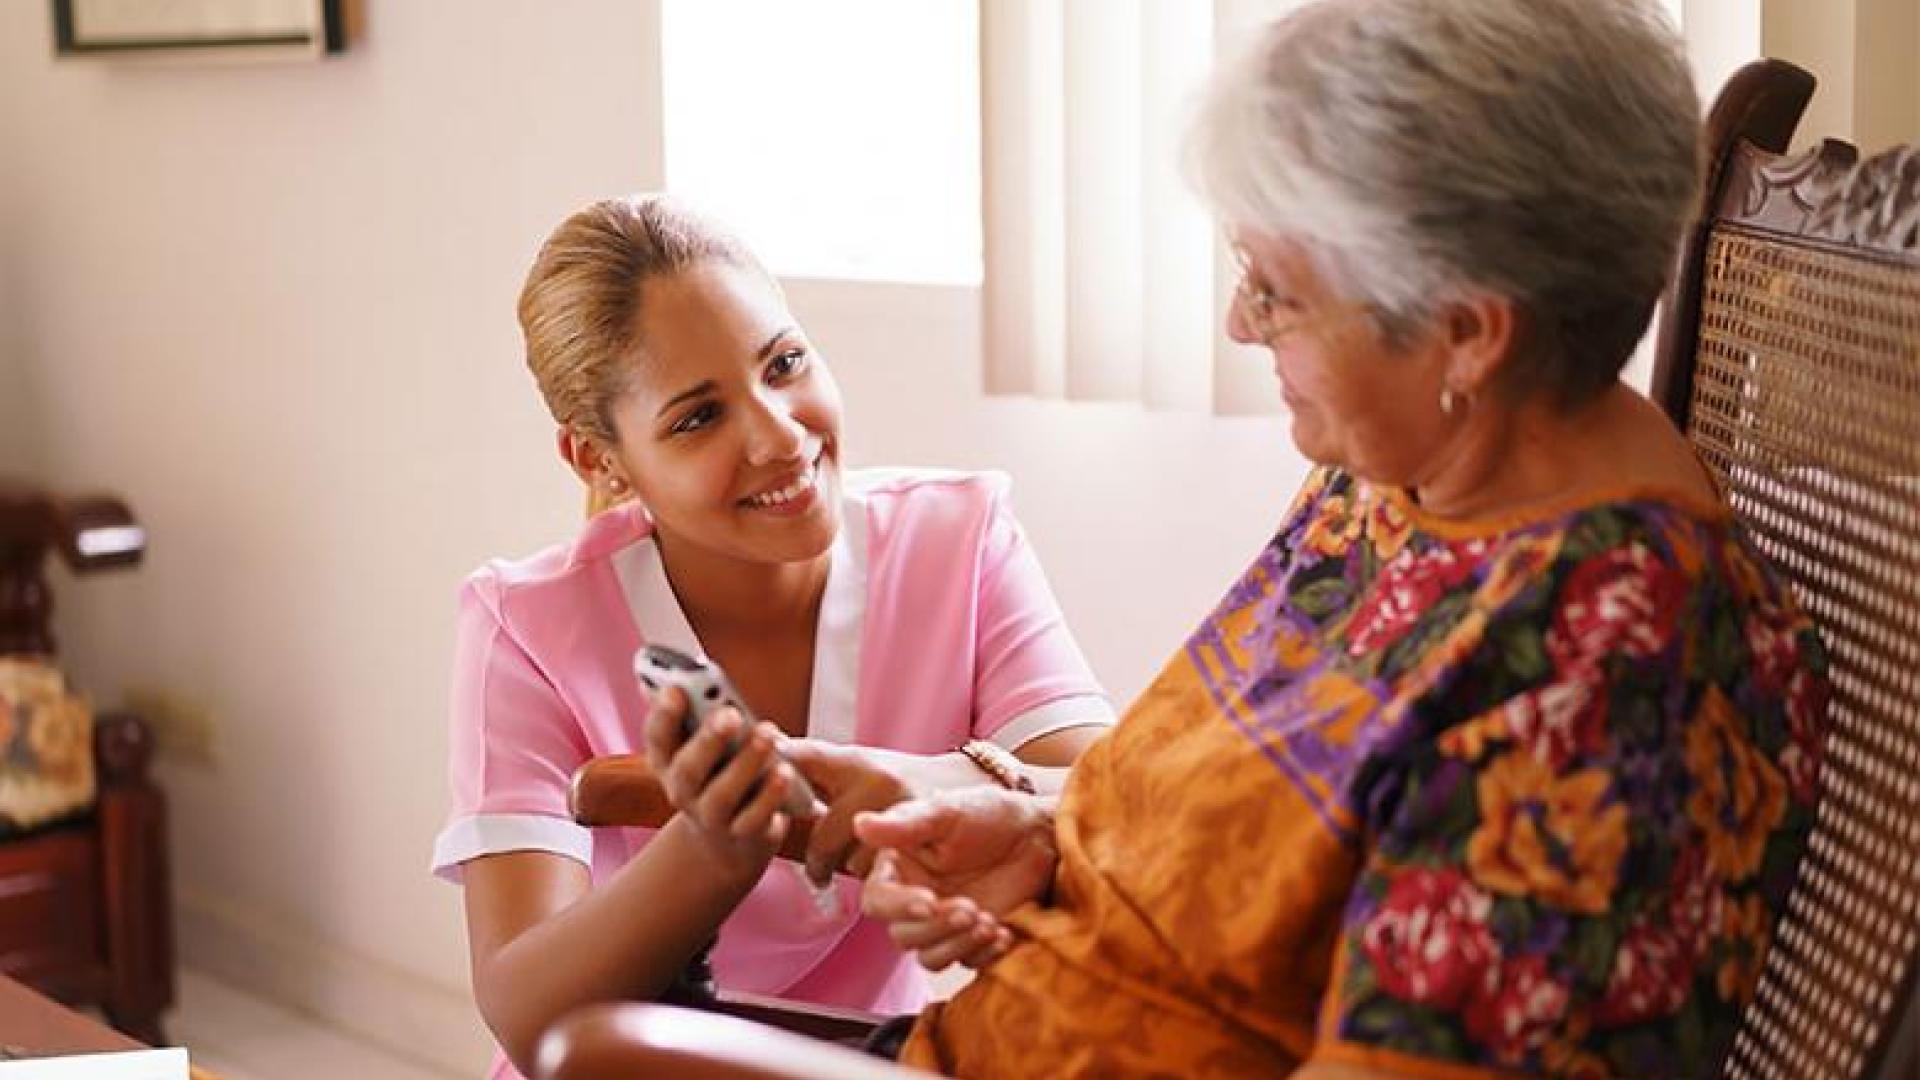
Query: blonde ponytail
point(580, 307)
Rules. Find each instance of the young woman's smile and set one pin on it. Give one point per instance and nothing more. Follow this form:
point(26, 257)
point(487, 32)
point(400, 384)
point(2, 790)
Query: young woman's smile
point(795, 494)
point(730, 433)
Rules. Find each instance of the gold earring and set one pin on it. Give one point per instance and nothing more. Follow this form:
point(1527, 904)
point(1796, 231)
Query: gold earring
point(615, 485)
point(1449, 400)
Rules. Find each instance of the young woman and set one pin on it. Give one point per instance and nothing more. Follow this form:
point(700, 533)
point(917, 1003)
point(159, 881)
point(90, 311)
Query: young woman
point(900, 611)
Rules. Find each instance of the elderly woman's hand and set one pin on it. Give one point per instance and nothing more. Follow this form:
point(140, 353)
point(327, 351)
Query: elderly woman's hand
point(952, 865)
point(728, 780)
point(854, 779)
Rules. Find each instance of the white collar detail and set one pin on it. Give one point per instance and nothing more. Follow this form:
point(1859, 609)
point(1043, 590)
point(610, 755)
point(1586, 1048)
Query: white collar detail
point(833, 700)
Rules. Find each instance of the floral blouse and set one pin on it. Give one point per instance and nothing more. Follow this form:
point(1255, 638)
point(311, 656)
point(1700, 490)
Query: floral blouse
point(1448, 799)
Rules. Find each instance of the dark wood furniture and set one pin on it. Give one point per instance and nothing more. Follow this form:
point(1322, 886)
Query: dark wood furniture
point(31, 1021)
point(85, 907)
point(36, 1024)
point(620, 1042)
point(1791, 358)
point(1790, 355)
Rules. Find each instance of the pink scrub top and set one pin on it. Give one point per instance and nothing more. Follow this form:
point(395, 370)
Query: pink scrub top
point(937, 626)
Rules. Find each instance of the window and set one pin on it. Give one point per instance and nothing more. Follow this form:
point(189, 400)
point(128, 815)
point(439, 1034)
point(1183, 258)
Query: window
point(1104, 277)
point(840, 137)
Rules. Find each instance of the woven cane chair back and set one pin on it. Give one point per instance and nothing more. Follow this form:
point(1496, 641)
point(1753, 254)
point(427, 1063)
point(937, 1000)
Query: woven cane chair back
point(1793, 363)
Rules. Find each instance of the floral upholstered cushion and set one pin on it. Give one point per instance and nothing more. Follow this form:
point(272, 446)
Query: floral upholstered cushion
point(46, 746)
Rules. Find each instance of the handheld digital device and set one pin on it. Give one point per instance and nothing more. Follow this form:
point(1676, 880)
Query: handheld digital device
point(708, 690)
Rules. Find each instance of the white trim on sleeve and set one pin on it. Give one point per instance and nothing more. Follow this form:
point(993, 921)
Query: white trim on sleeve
point(1080, 710)
point(492, 834)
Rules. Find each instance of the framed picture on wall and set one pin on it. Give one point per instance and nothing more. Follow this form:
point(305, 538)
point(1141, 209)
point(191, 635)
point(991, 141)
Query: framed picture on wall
point(283, 28)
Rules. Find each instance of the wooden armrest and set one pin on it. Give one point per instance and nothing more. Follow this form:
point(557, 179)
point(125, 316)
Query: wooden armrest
point(605, 1042)
point(846, 1026)
point(620, 789)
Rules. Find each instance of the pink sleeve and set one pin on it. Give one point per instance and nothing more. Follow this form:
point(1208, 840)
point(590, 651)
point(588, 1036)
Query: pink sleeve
point(513, 744)
point(1030, 677)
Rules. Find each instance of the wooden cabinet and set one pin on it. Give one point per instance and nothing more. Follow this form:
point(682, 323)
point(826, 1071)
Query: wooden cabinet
point(86, 913)
point(50, 926)
point(85, 909)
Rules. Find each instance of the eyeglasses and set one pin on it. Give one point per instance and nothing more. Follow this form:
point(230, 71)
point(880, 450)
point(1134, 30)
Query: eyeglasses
point(1265, 316)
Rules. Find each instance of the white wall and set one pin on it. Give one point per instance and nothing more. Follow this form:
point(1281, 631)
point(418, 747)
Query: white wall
point(1862, 51)
point(18, 443)
point(272, 305)
point(1887, 109)
point(1821, 38)
point(1721, 36)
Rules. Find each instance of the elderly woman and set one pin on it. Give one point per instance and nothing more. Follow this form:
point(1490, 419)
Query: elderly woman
point(1501, 755)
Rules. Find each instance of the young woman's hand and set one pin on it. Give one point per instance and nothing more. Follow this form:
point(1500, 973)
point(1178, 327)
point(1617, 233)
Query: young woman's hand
point(731, 787)
point(951, 865)
point(852, 780)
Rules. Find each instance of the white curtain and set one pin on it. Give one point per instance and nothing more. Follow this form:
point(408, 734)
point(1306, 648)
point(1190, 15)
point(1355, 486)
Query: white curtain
point(1117, 292)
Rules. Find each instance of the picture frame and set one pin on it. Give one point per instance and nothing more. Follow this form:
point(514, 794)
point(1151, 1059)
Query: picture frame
point(228, 28)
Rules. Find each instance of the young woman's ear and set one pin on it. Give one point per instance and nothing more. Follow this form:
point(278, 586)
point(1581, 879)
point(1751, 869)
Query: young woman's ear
point(606, 485)
point(590, 461)
point(577, 452)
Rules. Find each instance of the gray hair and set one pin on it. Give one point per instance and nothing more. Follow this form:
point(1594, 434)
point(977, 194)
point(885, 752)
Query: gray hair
point(1543, 150)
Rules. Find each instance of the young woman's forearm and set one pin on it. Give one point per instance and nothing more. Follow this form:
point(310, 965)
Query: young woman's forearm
point(624, 940)
point(1048, 760)
point(1047, 780)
